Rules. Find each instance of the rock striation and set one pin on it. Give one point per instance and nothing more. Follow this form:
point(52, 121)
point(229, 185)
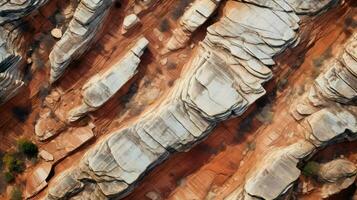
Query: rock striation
point(10, 66)
point(37, 180)
point(192, 19)
point(100, 88)
point(11, 10)
point(337, 175)
point(86, 22)
point(222, 79)
point(331, 118)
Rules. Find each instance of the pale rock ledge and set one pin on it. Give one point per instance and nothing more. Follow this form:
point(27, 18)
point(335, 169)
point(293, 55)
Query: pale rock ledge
point(100, 88)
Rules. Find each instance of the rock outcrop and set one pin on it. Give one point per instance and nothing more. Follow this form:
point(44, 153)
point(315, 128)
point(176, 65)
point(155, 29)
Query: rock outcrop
point(37, 179)
point(193, 18)
point(11, 10)
point(100, 88)
point(87, 21)
point(10, 65)
point(222, 79)
point(330, 119)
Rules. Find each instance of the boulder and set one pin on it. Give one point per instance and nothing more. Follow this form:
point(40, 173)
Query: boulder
point(129, 22)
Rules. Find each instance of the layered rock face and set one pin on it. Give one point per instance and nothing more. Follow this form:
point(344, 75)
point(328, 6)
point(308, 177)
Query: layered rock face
point(221, 80)
point(193, 18)
point(86, 22)
point(337, 175)
point(10, 64)
point(11, 10)
point(102, 87)
point(328, 116)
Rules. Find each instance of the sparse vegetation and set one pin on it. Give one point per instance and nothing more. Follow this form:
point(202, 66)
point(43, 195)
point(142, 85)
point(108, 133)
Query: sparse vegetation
point(131, 92)
point(21, 113)
point(180, 9)
point(282, 84)
point(311, 168)
point(266, 114)
point(9, 177)
point(28, 148)
point(349, 25)
point(13, 162)
point(164, 25)
point(318, 62)
point(16, 193)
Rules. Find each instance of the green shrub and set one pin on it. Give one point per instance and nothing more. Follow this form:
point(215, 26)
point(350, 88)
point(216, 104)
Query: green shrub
point(9, 177)
point(311, 168)
point(13, 162)
point(27, 147)
point(16, 194)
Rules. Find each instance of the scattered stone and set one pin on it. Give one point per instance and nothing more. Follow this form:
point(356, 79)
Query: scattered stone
point(163, 61)
point(45, 155)
point(56, 33)
point(129, 22)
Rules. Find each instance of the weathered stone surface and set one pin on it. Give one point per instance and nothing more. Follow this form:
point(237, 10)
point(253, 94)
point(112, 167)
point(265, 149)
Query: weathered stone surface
point(100, 88)
point(37, 179)
point(327, 122)
point(222, 79)
point(81, 32)
point(276, 173)
point(68, 141)
point(10, 66)
point(11, 10)
point(48, 125)
point(338, 174)
point(298, 6)
point(326, 125)
point(193, 18)
point(56, 33)
point(45, 155)
point(129, 22)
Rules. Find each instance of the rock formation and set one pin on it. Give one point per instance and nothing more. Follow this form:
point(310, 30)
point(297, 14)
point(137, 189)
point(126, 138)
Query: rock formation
point(10, 65)
point(338, 174)
point(327, 121)
point(86, 22)
point(12, 10)
point(192, 19)
point(102, 87)
point(221, 80)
